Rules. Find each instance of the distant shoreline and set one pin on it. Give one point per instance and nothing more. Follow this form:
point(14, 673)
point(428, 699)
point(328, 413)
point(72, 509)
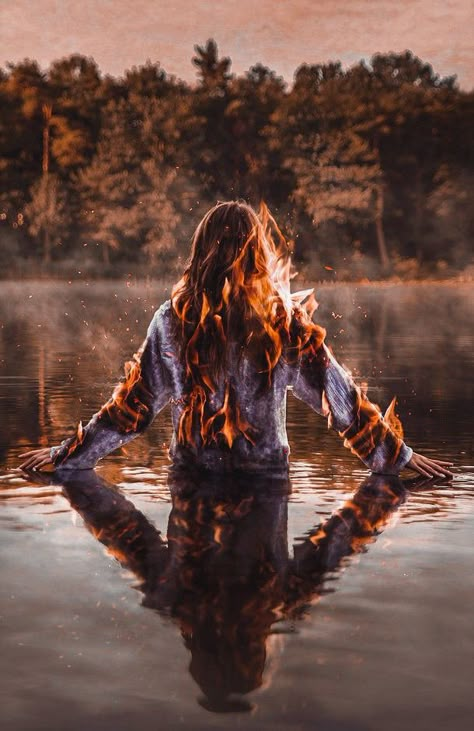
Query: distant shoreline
point(168, 282)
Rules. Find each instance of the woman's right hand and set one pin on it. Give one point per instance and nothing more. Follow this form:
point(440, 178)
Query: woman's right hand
point(36, 459)
point(429, 467)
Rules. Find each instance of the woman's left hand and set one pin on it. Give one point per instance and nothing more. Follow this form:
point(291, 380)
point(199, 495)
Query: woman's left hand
point(36, 459)
point(429, 467)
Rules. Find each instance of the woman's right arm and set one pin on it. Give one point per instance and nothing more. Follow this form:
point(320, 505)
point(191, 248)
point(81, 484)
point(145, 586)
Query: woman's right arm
point(142, 393)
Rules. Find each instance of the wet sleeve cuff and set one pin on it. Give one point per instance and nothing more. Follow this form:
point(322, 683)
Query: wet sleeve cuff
point(381, 466)
point(57, 452)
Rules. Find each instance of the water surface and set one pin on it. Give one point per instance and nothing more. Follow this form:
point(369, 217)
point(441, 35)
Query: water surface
point(139, 596)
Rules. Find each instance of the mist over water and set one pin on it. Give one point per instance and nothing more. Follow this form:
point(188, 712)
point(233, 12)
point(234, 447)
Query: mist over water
point(373, 631)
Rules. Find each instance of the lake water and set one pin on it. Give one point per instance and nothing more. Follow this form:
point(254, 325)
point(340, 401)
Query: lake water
point(135, 597)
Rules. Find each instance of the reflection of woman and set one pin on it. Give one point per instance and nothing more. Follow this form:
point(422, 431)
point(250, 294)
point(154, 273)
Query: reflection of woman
point(223, 351)
point(225, 575)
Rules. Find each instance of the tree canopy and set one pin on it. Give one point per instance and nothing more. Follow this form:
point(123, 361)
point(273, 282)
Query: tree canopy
point(371, 163)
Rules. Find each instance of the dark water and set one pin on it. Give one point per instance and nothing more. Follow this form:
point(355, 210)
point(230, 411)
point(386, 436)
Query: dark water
point(136, 596)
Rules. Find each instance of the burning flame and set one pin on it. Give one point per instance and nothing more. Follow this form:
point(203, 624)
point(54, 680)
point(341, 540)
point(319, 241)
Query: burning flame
point(76, 440)
point(392, 419)
point(223, 425)
point(369, 428)
point(128, 408)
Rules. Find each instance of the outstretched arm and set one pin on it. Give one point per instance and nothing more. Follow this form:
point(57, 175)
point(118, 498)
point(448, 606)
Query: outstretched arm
point(375, 438)
point(115, 522)
point(141, 394)
point(349, 530)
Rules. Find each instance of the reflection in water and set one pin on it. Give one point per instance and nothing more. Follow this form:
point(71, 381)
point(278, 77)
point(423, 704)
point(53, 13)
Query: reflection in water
point(225, 574)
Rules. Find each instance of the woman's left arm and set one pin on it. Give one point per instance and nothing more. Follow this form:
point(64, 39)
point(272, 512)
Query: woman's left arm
point(375, 438)
point(142, 393)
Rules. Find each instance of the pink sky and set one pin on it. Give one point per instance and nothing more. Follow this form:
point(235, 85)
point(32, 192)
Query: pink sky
point(282, 35)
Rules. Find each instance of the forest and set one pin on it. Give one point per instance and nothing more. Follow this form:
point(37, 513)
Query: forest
point(368, 170)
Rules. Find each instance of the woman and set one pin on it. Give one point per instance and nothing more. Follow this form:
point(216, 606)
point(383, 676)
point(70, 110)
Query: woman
point(223, 351)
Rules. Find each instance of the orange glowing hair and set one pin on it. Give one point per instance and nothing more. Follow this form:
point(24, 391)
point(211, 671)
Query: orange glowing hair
point(235, 292)
point(229, 292)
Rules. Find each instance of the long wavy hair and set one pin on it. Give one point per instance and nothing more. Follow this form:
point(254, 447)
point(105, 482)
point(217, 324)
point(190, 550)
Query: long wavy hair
point(233, 294)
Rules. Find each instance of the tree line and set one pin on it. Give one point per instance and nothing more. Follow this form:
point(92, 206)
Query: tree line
point(369, 170)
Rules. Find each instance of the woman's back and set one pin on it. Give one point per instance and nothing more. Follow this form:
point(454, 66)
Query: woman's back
point(235, 425)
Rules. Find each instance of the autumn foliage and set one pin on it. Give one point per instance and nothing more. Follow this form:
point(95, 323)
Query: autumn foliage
point(368, 169)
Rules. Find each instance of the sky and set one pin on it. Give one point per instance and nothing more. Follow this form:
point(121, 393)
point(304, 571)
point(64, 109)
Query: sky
point(281, 34)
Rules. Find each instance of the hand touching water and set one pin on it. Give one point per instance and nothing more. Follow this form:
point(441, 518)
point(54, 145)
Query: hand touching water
point(429, 467)
point(36, 459)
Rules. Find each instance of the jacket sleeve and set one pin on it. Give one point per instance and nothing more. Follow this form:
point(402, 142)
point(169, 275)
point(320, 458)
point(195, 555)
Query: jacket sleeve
point(142, 392)
point(349, 530)
point(328, 388)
